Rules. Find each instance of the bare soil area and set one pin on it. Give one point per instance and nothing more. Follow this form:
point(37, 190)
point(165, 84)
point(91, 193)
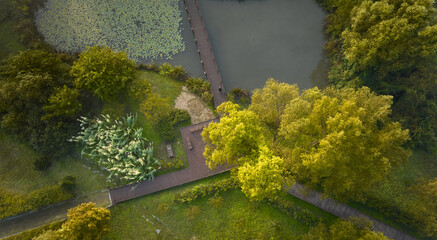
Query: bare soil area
point(195, 106)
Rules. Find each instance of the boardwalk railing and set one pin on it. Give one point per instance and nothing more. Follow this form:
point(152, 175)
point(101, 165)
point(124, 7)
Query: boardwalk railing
point(206, 53)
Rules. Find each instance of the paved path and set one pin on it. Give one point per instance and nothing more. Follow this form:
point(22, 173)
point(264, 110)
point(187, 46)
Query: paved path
point(49, 214)
point(344, 211)
point(197, 169)
point(206, 54)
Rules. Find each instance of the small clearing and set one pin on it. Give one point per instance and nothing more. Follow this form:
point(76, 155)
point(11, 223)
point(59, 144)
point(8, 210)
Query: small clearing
point(195, 106)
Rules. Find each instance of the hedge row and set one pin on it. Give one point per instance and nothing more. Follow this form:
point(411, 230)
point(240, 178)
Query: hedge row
point(12, 204)
point(203, 190)
point(295, 211)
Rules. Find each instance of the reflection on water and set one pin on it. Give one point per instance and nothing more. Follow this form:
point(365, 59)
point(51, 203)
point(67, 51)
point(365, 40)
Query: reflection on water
point(257, 39)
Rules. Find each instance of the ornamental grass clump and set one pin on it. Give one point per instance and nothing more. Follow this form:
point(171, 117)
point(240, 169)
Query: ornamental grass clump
point(144, 29)
point(119, 147)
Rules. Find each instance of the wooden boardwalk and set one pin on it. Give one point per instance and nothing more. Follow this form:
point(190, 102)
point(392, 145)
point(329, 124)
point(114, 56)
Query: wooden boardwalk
point(206, 54)
point(197, 169)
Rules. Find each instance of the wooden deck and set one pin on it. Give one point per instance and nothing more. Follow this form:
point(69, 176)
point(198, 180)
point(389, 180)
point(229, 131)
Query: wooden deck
point(206, 54)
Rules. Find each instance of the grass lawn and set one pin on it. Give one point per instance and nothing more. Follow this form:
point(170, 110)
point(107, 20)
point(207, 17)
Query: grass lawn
point(237, 218)
point(165, 87)
point(421, 165)
point(17, 173)
point(9, 43)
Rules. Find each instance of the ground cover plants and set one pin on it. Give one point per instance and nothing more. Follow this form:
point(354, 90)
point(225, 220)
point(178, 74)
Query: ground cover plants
point(235, 217)
point(144, 29)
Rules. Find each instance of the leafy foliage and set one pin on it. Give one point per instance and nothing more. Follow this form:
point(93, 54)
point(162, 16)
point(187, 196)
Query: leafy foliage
point(86, 222)
point(144, 29)
point(199, 191)
point(344, 230)
point(103, 72)
point(342, 139)
point(119, 147)
point(175, 72)
point(63, 102)
point(201, 88)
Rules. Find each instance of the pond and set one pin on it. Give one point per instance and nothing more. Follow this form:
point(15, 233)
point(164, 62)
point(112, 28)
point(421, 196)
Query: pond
point(256, 39)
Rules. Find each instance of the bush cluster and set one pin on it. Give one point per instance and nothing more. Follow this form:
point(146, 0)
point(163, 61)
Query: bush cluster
point(174, 72)
point(239, 96)
point(199, 191)
point(175, 164)
point(201, 88)
point(297, 212)
point(165, 124)
point(31, 234)
point(16, 204)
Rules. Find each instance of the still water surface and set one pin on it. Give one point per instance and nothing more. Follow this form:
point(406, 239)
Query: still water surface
point(256, 39)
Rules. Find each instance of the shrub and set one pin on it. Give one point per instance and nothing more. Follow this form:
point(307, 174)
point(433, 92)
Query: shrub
point(42, 163)
point(192, 212)
point(165, 128)
point(174, 72)
point(239, 96)
point(179, 115)
point(201, 88)
point(203, 190)
point(295, 211)
point(139, 89)
point(216, 201)
point(68, 183)
point(33, 233)
point(163, 208)
point(175, 164)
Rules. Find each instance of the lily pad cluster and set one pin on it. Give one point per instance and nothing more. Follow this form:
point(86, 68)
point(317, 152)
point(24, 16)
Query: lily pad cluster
point(119, 147)
point(144, 29)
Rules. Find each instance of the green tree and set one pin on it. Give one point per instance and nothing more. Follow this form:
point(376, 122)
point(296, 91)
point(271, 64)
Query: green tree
point(261, 177)
point(342, 139)
point(269, 102)
point(155, 107)
point(103, 72)
point(36, 62)
point(63, 102)
point(390, 36)
point(86, 222)
point(235, 139)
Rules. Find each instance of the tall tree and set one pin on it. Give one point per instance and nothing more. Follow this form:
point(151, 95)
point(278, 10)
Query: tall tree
point(234, 139)
point(86, 222)
point(391, 36)
point(269, 102)
point(342, 139)
point(103, 72)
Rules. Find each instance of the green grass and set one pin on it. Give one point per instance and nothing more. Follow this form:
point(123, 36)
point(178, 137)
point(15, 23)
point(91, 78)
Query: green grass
point(165, 87)
point(421, 165)
point(17, 173)
point(9, 43)
point(29, 234)
point(237, 218)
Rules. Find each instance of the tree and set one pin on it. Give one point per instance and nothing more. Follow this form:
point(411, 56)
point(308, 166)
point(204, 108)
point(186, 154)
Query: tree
point(119, 147)
point(261, 177)
point(390, 36)
point(63, 103)
point(155, 107)
point(235, 139)
point(86, 222)
point(36, 62)
point(269, 102)
point(342, 139)
point(103, 72)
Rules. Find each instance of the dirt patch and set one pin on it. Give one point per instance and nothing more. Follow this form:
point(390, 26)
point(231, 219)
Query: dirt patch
point(197, 109)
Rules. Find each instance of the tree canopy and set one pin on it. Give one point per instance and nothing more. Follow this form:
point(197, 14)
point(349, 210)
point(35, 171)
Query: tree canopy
point(340, 139)
point(103, 72)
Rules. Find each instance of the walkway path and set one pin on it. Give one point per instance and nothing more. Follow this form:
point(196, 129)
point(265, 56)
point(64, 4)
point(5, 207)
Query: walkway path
point(49, 214)
point(197, 169)
point(344, 211)
point(206, 54)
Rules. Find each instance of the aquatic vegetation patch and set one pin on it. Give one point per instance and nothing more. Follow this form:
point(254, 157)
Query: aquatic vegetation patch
point(144, 29)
